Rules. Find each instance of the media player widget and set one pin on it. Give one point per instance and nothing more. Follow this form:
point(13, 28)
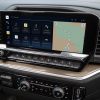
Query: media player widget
point(29, 33)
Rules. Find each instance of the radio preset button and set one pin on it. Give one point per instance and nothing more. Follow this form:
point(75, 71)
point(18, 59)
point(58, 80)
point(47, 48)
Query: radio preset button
point(35, 57)
point(63, 62)
point(36, 82)
point(29, 57)
point(17, 55)
point(7, 83)
point(41, 83)
point(1, 53)
point(69, 63)
point(6, 77)
point(55, 61)
point(49, 59)
point(42, 58)
point(41, 90)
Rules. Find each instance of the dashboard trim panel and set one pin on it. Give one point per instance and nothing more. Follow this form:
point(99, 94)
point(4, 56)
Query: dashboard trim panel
point(88, 72)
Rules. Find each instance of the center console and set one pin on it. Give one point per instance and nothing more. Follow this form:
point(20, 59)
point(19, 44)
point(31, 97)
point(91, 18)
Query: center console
point(42, 86)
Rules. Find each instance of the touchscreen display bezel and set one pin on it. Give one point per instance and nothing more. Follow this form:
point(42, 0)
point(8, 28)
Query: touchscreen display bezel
point(90, 20)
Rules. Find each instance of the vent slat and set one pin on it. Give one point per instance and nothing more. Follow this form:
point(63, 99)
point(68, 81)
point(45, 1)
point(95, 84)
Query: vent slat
point(98, 45)
point(98, 42)
point(98, 38)
point(99, 32)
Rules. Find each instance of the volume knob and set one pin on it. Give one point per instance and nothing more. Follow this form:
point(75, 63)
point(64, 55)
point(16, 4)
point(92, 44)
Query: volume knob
point(58, 92)
point(24, 86)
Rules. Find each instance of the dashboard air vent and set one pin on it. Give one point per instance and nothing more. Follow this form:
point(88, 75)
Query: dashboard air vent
point(98, 45)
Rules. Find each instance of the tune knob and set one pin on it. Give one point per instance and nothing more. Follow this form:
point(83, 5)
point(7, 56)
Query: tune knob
point(58, 92)
point(24, 86)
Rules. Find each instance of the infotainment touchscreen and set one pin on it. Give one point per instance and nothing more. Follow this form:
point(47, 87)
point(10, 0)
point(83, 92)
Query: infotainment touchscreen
point(71, 32)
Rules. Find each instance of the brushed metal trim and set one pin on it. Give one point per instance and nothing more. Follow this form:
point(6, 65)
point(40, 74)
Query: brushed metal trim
point(65, 55)
point(43, 71)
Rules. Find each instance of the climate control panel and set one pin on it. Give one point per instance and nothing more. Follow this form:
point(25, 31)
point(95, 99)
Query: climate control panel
point(41, 86)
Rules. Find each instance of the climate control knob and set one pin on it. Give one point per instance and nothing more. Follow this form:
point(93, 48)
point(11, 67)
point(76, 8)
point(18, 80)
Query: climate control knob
point(24, 86)
point(58, 92)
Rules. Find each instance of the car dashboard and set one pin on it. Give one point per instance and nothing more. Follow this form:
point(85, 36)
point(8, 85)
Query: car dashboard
point(22, 79)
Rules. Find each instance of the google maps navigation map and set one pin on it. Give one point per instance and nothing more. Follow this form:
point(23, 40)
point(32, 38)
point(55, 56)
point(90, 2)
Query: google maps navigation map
point(66, 36)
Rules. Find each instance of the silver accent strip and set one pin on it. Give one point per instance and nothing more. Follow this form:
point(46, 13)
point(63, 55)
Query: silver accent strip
point(65, 55)
point(43, 72)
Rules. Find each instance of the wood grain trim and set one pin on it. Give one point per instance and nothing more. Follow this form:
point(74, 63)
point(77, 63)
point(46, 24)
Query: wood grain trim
point(87, 72)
